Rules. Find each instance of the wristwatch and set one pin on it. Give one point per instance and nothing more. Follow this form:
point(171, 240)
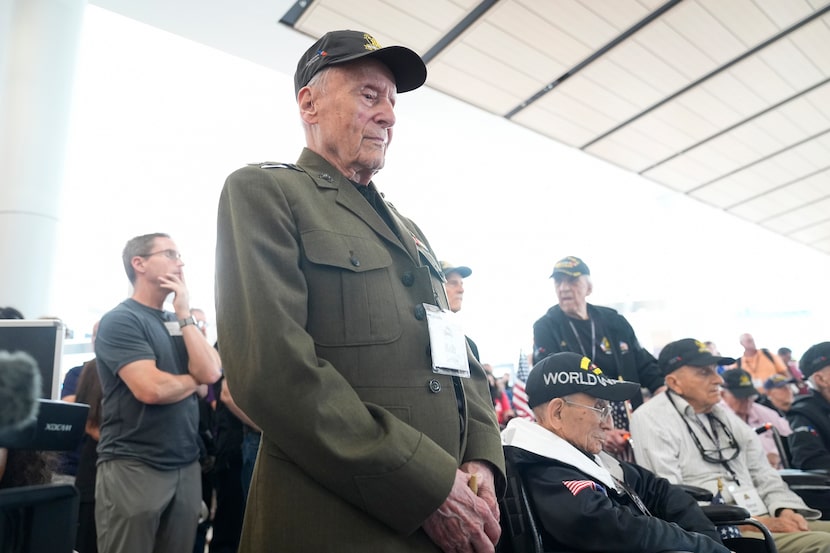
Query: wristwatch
point(188, 321)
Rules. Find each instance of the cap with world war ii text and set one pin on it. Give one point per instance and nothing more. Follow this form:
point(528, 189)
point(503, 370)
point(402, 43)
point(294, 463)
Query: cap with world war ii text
point(566, 373)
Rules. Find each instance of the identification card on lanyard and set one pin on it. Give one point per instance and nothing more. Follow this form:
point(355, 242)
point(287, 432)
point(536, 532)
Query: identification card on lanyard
point(748, 498)
point(447, 342)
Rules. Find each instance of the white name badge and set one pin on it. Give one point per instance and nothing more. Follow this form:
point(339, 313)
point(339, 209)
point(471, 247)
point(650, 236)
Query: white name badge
point(748, 498)
point(447, 342)
point(173, 328)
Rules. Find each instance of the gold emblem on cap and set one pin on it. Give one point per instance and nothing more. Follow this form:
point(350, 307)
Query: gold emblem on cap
point(371, 43)
point(745, 381)
point(701, 347)
point(586, 365)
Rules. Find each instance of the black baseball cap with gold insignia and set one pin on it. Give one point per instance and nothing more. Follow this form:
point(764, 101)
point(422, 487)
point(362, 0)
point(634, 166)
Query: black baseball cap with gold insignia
point(343, 46)
point(688, 351)
point(566, 373)
point(739, 383)
point(571, 266)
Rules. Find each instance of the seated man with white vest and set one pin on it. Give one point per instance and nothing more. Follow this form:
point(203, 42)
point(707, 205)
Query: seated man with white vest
point(585, 499)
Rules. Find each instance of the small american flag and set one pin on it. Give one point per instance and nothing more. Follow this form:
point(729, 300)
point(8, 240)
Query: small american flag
point(519, 394)
point(726, 532)
point(576, 486)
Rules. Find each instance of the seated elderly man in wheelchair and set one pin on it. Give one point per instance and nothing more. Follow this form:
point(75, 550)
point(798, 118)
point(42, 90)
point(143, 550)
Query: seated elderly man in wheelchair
point(583, 498)
point(686, 436)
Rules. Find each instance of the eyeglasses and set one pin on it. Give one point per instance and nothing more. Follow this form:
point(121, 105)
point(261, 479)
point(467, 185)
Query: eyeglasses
point(719, 454)
point(169, 254)
point(604, 413)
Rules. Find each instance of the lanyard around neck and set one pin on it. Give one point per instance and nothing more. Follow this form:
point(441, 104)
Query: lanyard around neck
point(713, 437)
point(593, 356)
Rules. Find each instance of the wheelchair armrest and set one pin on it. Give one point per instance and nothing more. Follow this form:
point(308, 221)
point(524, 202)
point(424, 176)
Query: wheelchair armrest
point(698, 493)
point(725, 514)
point(801, 477)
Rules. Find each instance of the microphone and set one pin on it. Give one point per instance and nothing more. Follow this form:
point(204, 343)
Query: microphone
point(19, 389)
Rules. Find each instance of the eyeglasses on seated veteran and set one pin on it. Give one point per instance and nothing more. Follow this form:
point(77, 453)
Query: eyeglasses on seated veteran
point(169, 254)
point(604, 413)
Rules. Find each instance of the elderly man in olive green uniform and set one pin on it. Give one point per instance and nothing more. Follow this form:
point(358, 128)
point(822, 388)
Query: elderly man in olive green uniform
point(373, 439)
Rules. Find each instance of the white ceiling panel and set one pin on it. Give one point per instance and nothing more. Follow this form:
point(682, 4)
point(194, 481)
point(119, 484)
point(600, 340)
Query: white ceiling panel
point(388, 24)
point(438, 14)
point(470, 88)
point(801, 218)
point(598, 96)
point(741, 98)
point(669, 45)
point(708, 34)
point(683, 173)
point(554, 125)
point(621, 14)
point(575, 110)
point(785, 13)
point(470, 60)
point(786, 59)
point(644, 64)
point(625, 84)
point(815, 233)
point(813, 40)
point(632, 154)
point(743, 18)
point(573, 18)
point(786, 198)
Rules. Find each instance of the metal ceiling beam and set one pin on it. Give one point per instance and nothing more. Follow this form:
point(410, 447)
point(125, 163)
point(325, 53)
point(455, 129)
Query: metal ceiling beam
point(295, 12)
point(456, 31)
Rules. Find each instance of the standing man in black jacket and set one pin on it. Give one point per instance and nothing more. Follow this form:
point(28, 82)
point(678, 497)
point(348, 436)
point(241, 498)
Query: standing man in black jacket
point(585, 499)
point(599, 333)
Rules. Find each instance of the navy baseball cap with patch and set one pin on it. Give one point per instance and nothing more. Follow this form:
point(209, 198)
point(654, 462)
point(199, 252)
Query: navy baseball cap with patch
point(814, 359)
point(343, 46)
point(688, 351)
point(777, 381)
point(739, 383)
point(566, 373)
point(448, 268)
point(571, 266)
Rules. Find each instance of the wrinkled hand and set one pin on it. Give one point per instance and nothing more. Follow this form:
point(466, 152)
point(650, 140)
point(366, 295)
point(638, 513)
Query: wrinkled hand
point(464, 523)
point(616, 440)
point(786, 521)
point(486, 485)
point(181, 297)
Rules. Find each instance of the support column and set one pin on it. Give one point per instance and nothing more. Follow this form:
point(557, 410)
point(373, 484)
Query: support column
point(38, 49)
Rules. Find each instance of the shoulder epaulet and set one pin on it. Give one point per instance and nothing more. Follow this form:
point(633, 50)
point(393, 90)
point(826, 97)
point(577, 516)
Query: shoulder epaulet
point(276, 165)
